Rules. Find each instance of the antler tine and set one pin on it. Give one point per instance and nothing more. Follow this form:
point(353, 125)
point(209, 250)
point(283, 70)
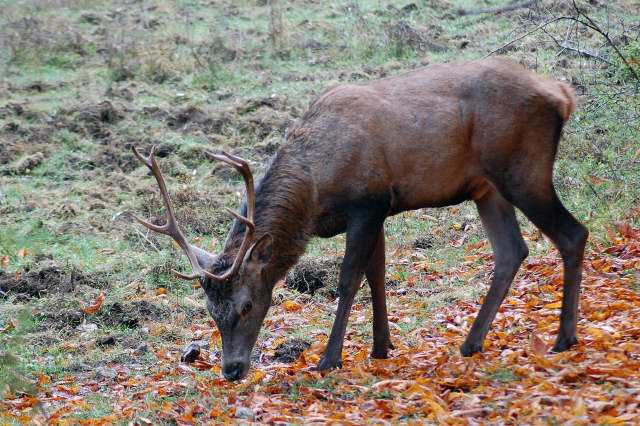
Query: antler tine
point(171, 228)
point(243, 167)
point(241, 218)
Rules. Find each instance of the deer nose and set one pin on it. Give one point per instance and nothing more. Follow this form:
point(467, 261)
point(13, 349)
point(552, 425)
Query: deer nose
point(233, 371)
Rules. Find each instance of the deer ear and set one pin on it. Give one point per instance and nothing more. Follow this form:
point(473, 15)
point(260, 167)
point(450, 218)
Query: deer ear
point(261, 251)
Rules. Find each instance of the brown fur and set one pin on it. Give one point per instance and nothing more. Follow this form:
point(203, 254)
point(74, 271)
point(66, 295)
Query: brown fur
point(390, 137)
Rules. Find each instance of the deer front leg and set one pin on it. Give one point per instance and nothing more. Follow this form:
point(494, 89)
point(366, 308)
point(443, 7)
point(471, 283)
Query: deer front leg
point(375, 277)
point(362, 233)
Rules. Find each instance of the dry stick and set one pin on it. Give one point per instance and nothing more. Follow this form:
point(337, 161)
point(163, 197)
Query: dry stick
point(539, 27)
point(595, 27)
point(585, 53)
point(147, 239)
point(507, 8)
point(565, 46)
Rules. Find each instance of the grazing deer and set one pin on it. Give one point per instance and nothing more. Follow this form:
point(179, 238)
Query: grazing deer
point(485, 131)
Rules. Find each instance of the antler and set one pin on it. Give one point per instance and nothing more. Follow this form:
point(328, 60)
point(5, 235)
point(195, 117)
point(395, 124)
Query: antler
point(196, 255)
point(171, 228)
point(243, 167)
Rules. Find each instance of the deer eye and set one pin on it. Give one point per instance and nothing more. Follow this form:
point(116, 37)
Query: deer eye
point(246, 308)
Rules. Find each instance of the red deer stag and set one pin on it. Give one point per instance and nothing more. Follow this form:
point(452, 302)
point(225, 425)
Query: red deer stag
point(485, 131)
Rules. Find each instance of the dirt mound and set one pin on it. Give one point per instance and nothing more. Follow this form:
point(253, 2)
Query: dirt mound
point(67, 314)
point(58, 318)
point(259, 117)
point(265, 121)
point(47, 278)
point(93, 120)
point(290, 350)
point(192, 118)
point(405, 37)
point(115, 156)
point(27, 163)
point(312, 274)
point(130, 314)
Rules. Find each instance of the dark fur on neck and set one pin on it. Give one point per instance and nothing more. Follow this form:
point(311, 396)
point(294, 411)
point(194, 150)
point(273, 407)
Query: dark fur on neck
point(284, 202)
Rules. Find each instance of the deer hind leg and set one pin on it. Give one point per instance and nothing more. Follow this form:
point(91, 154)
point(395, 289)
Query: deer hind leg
point(499, 221)
point(546, 211)
point(363, 229)
point(375, 277)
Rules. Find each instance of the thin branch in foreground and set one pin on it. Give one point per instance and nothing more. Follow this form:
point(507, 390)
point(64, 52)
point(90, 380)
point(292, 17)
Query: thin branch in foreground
point(536, 29)
point(590, 23)
point(508, 8)
point(565, 46)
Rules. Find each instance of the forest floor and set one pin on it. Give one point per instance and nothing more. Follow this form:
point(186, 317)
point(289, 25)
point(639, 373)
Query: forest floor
point(93, 323)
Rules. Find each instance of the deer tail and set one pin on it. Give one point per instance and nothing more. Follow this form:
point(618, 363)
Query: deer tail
point(567, 103)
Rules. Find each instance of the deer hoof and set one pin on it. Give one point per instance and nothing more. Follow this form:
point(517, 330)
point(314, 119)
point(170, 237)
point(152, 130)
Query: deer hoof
point(382, 351)
point(328, 364)
point(468, 349)
point(564, 343)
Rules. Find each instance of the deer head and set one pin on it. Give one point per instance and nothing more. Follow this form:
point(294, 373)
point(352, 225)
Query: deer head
point(235, 283)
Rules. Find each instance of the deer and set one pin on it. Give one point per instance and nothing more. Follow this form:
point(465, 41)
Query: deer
point(486, 131)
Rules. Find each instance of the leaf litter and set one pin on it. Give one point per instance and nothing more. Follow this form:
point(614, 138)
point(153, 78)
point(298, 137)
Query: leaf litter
point(516, 380)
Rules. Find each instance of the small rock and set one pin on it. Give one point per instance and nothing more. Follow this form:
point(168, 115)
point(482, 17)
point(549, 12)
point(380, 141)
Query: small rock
point(106, 341)
point(244, 413)
point(87, 327)
point(191, 353)
point(90, 18)
point(142, 349)
point(106, 373)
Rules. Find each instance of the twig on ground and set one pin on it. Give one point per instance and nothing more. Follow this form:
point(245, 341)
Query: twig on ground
point(565, 46)
point(508, 8)
point(585, 53)
point(592, 189)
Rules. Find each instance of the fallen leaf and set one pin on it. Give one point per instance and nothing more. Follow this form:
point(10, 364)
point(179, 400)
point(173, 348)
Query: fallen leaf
point(291, 306)
point(554, 305)
point(538, 346)
point(596, 181)
point(95, 306)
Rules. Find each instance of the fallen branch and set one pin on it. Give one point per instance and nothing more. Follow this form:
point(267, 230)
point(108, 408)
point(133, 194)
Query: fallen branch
point(585, 53)
point(565, 46)
point(508, 8)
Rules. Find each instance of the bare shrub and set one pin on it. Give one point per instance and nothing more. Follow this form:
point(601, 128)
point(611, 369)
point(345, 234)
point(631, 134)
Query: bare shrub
point(32, 40)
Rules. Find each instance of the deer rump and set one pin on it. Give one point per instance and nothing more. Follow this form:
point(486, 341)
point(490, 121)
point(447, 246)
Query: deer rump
point(486, 130)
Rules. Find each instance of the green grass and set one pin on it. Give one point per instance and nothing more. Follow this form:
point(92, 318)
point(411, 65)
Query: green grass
point(151, 74)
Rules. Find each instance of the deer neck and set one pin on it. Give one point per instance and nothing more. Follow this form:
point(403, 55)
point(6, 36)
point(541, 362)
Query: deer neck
point(284, 203)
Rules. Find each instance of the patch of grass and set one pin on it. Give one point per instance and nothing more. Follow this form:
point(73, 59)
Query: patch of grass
point(13, 370)
point(503, 375)
point(153, 61)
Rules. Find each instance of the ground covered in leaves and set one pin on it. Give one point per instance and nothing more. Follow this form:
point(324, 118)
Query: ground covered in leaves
point(514, 381)
point(93, 325)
